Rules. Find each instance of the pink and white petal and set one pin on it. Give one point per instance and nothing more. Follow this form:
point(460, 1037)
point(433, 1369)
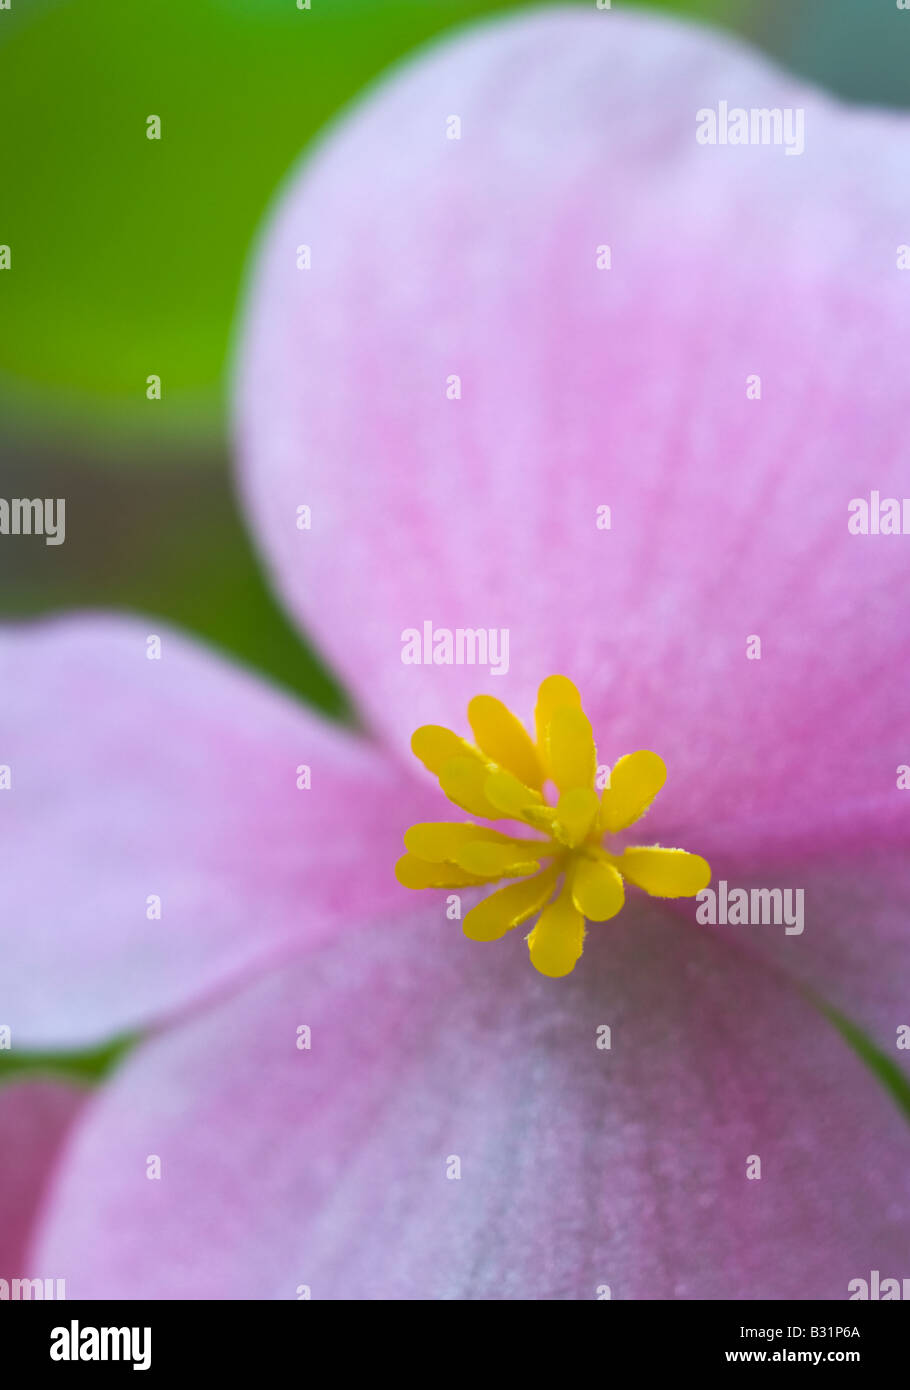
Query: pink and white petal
point(138, 782)
point(35, 1118)
point(454, 1131)
point(584, 388)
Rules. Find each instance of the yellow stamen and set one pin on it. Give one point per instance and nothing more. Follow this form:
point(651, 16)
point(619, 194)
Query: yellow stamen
point(463, 780)
point(502, 777)
point(554, 692)
point(575, 814)
point(509, 907)
point(497, 861)
point(435, 746)
point(438, 841)
point(634, 782)
point(573, 757)
point(511, 797)
point(417, 873)
point(504, 739)
point(556, 942)
point(597, 889)
point(665, 873)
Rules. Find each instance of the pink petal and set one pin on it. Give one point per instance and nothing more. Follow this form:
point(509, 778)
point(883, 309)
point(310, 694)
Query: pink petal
point(580, 1167)
point(35, 1117)
point(582, 388)
point(853, 950)
point(174, 778)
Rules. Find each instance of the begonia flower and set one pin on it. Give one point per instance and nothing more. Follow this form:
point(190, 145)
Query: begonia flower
point(503, 340)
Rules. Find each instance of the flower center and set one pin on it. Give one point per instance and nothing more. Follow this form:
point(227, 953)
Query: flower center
point(556, 853)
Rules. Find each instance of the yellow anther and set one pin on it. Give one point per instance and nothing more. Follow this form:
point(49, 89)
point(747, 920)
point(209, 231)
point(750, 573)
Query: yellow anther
point(502, 776)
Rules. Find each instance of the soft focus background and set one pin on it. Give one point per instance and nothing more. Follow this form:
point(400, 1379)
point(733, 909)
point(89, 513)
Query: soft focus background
point(128, 257)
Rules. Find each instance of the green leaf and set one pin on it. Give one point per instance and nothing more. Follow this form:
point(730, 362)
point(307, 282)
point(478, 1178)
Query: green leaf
point(889, 1074)
point(88, 1066)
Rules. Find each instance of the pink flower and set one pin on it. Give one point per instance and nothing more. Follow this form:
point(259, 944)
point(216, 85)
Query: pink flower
point(335, 1166)
point(35, 1117)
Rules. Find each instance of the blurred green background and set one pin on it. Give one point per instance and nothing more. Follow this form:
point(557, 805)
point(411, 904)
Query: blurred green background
point(127, 256)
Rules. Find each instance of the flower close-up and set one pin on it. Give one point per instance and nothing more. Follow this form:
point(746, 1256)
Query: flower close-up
point(613, 663)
